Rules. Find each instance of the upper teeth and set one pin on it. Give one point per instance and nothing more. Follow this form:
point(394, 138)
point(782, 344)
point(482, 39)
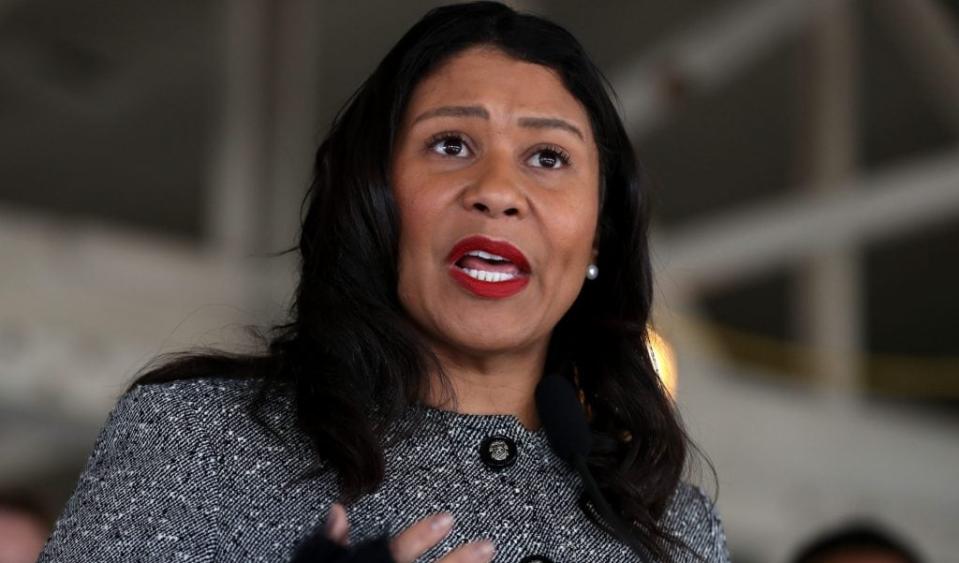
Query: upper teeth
point(485, 255)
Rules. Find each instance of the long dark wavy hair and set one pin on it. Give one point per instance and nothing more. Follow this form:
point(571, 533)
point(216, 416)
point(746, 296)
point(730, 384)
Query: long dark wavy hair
point(349, 348)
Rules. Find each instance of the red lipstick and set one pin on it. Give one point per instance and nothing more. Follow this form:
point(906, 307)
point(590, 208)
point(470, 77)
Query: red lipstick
point(488, 268)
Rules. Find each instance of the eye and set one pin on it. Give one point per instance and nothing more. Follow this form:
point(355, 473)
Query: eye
point(549, 157)
point(449, 144)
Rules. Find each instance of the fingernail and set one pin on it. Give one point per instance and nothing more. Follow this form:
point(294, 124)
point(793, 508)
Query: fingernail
point(442, 521)
point(483, 549)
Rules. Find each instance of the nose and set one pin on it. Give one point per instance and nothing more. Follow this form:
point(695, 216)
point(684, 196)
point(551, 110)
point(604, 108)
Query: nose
point(497, 190)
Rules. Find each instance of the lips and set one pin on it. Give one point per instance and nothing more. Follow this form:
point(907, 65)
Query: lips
point(488, 268)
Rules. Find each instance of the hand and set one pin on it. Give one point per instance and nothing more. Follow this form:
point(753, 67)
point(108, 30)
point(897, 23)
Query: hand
point(415, 540)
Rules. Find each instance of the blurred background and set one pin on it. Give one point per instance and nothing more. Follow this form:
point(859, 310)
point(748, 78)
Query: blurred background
point(805, 155)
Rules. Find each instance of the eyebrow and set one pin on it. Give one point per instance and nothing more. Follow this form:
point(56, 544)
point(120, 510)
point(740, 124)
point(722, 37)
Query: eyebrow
point(478, 111)
point(550, 122)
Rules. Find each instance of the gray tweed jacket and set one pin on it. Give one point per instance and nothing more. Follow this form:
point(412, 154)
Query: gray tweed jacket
point(181, 472)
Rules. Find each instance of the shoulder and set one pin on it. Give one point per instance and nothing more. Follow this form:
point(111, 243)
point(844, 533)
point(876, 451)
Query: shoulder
point(204, 397)
point(208, 420)
point(154, 482)
point(188, 397)
point(693, 518)
point(161, 416)
point(172, 414)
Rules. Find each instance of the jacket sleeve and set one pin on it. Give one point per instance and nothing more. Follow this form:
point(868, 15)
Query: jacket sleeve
point(695, 520)
point(716, 548)
point(149, 491)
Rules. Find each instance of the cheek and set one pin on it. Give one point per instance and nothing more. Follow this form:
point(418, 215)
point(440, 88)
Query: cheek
point(417, 211)
point(574, 232)
point(404, 196)
point(419, 214)
point(571, 232)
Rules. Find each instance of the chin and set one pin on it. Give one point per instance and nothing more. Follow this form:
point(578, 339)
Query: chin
point(486, 339)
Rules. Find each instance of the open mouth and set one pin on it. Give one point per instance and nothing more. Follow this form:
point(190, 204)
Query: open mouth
point(487, 267)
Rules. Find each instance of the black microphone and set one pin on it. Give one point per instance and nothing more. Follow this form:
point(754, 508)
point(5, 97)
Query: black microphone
point(569, 435)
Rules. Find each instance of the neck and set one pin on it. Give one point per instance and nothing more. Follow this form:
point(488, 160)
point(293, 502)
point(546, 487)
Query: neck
point(490, 383)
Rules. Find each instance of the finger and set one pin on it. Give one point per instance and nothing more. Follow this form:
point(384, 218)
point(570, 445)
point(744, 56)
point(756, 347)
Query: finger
point(338, 526)
point(341, 529)
point(481, 551)
point(420, 536)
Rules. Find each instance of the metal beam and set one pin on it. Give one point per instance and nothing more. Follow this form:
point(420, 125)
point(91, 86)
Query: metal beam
point(929, 37)
point(758, 238)
point(704, 57)
point(827, 306)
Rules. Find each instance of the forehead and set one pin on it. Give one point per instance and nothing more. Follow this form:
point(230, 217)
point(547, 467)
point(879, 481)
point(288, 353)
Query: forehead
point(487, 76)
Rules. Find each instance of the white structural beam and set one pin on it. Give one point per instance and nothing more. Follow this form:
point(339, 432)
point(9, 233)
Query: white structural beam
point(261, 166)
point(238, 163)
point(295, 136)
point(760, 237)
point(828, 311)
point(704, 57)
point(929, 37)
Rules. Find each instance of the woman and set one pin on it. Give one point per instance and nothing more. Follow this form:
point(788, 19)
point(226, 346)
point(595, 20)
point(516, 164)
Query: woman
point(476, 221)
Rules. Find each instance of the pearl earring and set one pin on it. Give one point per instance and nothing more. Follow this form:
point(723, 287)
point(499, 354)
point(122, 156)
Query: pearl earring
point(592, 272)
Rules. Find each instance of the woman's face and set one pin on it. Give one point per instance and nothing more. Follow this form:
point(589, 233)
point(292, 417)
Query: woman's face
point(496, 178)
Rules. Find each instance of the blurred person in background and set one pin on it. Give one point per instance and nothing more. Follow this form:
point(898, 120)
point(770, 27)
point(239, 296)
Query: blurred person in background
point(24, 526)
point(859, 542)
point(474, 265)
